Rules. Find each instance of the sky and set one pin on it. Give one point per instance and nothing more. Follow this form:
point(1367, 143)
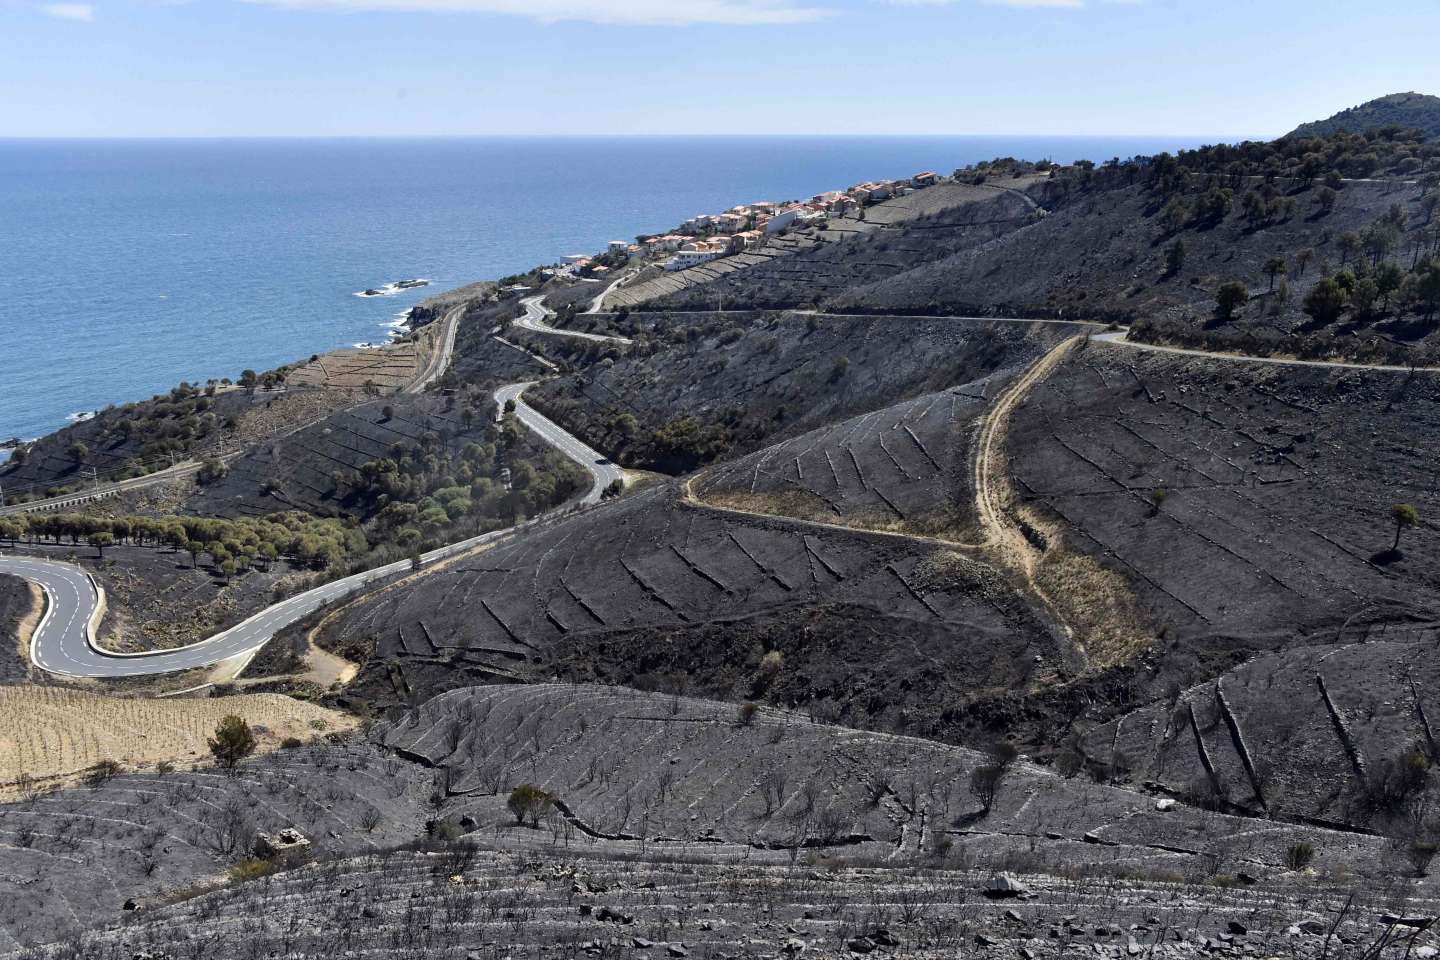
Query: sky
point(1221, 68)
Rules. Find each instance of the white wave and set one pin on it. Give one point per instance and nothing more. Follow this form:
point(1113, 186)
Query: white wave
point(80, 416)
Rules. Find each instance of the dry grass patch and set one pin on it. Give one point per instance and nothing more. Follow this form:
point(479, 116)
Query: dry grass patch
point(386, 368)
point(52, 734)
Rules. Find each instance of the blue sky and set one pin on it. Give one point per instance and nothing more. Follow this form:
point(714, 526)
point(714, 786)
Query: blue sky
point(1218, 68)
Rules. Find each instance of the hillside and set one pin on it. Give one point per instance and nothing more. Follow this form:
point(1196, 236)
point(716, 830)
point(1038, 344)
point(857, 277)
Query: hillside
point(1412, 110)
point(670, 827)
point(1151, 240)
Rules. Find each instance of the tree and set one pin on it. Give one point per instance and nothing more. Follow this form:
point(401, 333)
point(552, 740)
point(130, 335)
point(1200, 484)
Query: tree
point(1325, 199)
point(1174, 258)
point(101, 539)
point(1405, 516)
point(1274, 267)
point(1302, 261)
point(194, 548)
point(233, 742)
point(1349, 244)
point(248, 379)
point(77, 451)
point(528, 801)
point(1326, 301)
point(1229, 298)
point(387, 413)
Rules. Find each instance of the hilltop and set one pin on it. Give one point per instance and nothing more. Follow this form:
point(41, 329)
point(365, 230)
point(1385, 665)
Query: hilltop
point(1419, 111)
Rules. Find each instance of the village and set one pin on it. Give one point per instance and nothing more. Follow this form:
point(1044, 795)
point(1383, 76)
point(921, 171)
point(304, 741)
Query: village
point(707, 237)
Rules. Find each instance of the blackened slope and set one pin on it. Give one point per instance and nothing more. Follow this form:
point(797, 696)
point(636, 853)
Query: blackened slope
point(1279, 484)
point(651, 585)
point(818, 273)
point(749, 385)
point(1101, 255)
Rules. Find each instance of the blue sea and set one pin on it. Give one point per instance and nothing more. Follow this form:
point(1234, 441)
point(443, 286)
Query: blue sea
point(128, 266)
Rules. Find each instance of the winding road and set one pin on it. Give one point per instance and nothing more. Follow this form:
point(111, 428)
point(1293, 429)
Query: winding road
point(64, 642)
point(537, 317)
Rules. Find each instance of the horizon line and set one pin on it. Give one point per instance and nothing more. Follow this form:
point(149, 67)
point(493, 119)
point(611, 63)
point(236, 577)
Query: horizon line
point(78, 138)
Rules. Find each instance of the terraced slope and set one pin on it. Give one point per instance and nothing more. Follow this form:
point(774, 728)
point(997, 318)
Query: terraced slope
point(876, 628)
point(630, 769)
point(1279, 486)
point(72, 859)
point(1328, 732)
point(904, 468)
point(678, 831)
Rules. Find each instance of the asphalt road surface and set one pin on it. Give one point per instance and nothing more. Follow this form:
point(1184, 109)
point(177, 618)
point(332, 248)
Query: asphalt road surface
point(63, 644)
point(537, 317)
point(602, 471)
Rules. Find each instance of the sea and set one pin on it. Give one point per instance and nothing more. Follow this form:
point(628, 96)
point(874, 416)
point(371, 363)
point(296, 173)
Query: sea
point(127, 266)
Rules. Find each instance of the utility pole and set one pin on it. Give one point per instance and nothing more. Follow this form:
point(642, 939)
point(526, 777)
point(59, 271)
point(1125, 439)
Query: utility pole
point(94, 479)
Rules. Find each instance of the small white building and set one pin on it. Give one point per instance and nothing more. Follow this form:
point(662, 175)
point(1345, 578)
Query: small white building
point(781, 220)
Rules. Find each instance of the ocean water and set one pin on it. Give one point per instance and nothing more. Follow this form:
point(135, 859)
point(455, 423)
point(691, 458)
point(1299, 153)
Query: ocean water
point(128, 266)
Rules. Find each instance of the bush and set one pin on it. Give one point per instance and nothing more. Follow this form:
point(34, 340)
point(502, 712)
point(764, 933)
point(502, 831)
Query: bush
point(746, 714)
point(291, 743)
point(102, 773)
point(529, 802)
point(1299, 855)
point(985, 784)
point(251, 869)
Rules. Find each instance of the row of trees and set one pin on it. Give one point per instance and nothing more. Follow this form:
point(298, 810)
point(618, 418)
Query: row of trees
point(233, 546)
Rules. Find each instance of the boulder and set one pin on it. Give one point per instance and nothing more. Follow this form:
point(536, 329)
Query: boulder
point(1004, 886)
point(1165, 804)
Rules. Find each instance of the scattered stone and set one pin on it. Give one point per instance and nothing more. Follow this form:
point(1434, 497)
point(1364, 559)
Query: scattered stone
point(1133, 948)
point(640, 943)
point(884, 938)
point(677, 950)
point(1014, 917)
point(130, 904)
point(983, 941)
point(613, 916)
point(1092, 837)
point(1246, 878)
point(1418, 922)
point(861, 945)
point(1004, 886)
point(1312, 926)
point(1426, 953)
point(1236, 928)
point(793, 947)
point(1165, 804)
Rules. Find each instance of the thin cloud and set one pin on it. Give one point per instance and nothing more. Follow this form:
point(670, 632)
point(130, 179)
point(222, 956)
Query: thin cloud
point(80, 12)
point(1037, 3)
point(643, 12)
